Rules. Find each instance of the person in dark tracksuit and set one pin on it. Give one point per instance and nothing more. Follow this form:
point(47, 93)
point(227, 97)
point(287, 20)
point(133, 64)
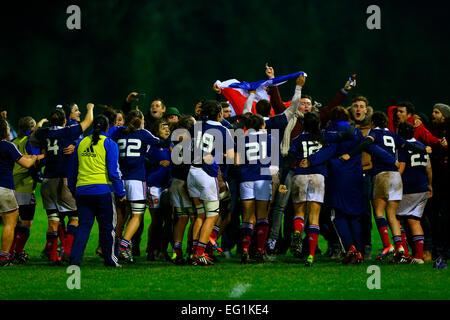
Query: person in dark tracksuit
point(98, 183)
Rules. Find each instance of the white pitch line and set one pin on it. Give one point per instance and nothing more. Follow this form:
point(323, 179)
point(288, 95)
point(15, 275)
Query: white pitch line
point(239, 290)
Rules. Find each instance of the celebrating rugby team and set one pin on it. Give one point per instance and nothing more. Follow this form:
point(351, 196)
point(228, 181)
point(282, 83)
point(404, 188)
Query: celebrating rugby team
point(246, 169)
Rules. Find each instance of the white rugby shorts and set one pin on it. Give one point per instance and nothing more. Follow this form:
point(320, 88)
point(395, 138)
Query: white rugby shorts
point(8, 201)
point(154, 197)
point(136, 190)
point(308, 187)
point(388, 186)
point(258, 190)
point(57, 196)
point(413, 204)
point(202, 185)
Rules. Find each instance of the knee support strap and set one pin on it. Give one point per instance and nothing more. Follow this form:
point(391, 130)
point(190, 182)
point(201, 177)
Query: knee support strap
point(211, 208)
point(53, 215)
point(137, 207)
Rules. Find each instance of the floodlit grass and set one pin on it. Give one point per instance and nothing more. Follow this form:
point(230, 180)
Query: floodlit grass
point(285, 279)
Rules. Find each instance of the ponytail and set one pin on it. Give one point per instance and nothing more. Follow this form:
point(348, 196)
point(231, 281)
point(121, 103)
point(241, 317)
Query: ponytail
point(101, 123)
point(133, 121)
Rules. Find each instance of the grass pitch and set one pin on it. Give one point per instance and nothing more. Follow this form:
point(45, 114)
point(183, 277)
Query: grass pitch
point(285, 279)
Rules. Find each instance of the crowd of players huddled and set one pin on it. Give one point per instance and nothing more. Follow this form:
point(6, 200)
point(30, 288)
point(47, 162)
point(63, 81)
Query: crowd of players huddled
point(258, 181)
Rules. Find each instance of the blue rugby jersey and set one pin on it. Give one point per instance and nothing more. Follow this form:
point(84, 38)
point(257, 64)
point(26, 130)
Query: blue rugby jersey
point(206, 136)
point(257, 150)
point(71, 122)
point(9, 155)
point(278, 121)
point(158, 175)
point(414, 178)
point(180, 171)
point(132, 151)
point(303, 147)
point(53, 140)
point(389, 142)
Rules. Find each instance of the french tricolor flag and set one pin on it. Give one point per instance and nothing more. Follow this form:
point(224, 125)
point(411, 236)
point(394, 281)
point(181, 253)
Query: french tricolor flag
point(237, 92)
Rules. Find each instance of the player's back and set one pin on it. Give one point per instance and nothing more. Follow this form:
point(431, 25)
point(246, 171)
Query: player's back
point(303, 146)
point(256, 156)
point(210, 138)
point(388, 141)
point(414, 177)
point(132, 149)
point(53, 140)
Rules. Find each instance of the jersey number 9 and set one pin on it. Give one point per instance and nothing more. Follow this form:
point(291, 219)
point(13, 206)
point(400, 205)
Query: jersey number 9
point(389, 142)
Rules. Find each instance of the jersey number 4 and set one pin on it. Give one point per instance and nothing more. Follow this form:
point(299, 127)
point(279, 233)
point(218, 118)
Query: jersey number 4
point(129, 147)
point(53, 147)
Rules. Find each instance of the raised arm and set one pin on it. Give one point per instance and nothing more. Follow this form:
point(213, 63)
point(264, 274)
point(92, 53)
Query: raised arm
point(88, 118)
point(295, 103)
point(249, 103)
point(275, 98)
point(336, 101)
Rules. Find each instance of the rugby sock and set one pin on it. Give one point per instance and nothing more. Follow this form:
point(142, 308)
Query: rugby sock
point(70, 236)
point(215, 233)
point(246, 234)
point(21, 238)
point(383, 230)
point(313, 237)
point(4, 256)
point(52, 243)
point(62, 233)
point(262, 230)
point(194, 246)
point(178, 248)
point(404, 242)
point(299, 223)
point(201, 248)
point(418, 246)
point(124, 244)
point(397, 242)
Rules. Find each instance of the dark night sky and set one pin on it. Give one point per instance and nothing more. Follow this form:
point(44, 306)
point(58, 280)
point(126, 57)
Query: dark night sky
point(177, 49)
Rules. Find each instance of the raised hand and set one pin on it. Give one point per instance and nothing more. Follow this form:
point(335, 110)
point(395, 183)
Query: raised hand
point(349, 87)
point(217, 89)
point(301, 80)
point(270, 73)
point(131, 97)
